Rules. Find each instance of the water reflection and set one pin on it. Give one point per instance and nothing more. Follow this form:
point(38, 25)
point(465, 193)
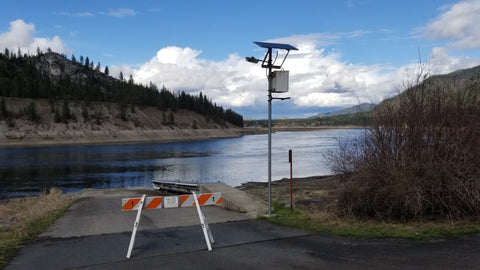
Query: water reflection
point(25, 171)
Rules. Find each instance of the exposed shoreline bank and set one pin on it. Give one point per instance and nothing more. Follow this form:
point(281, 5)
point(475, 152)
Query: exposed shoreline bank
point(74, 137)
point(50, 138)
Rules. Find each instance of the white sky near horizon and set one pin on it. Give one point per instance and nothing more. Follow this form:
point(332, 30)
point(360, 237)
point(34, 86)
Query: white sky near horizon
point(350, 52)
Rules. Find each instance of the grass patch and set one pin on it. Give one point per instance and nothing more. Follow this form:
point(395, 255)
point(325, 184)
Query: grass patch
point(284, 216)
point(23, 219)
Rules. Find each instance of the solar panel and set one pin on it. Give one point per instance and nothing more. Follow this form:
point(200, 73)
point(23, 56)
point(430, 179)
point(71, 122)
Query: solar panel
point(275, 45)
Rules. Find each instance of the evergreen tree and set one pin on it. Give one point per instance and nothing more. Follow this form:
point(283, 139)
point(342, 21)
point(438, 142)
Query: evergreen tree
point(66, 110)
point(3, 108)
point(51, 102)
point(171, 118)
point(74, 60)
point(123, 111)
point(87, 62)
point(57, 117)
point(81, 59)
point(164, 118)
point(107, 71)
point(32, 112)
point(85, 112)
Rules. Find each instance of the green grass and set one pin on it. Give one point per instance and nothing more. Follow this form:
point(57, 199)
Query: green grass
point(284, 216)
point(13, 239)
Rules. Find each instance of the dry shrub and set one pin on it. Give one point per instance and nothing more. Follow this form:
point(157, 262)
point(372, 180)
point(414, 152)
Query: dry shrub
point(21, 211)
point(421, 157)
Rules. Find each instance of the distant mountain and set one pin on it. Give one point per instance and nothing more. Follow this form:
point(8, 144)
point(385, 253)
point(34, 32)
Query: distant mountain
point(364, 107)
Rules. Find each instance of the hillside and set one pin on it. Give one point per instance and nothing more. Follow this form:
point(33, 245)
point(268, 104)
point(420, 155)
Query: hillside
point(464, 81)
point(53, 76)
point(101, 122)
point(48, 98)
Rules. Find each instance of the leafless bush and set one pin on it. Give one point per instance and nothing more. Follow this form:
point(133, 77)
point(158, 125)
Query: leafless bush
point(419, 159)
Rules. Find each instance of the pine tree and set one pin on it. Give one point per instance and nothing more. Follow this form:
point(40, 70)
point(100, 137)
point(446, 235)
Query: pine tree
point(66, 110)
point(107, 71)
point(164, 118)
point(123, 111)
point(32, 112)
point(172, 118)
point(85, 112)
point(3, 108)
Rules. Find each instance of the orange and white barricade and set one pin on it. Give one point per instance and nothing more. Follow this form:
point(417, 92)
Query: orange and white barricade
point(131, 204)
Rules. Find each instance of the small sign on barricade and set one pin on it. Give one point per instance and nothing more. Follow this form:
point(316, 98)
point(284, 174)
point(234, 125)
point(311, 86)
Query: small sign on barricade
point(132, 204)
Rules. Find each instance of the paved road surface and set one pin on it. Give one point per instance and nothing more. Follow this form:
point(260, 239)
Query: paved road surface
point(98, 239)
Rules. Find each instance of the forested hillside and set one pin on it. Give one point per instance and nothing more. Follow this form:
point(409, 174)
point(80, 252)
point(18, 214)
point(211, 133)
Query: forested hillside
point(61, 80)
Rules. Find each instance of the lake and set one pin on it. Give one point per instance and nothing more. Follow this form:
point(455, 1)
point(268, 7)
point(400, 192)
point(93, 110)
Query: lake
point(30, 170)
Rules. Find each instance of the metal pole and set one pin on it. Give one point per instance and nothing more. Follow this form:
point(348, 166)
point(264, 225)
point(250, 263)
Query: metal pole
point(269, 132)
point(290, 159)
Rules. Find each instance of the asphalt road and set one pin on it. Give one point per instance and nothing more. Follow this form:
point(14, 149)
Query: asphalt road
point(241, 243)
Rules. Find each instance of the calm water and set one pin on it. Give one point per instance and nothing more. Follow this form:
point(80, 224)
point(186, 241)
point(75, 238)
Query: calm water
point(27, 171)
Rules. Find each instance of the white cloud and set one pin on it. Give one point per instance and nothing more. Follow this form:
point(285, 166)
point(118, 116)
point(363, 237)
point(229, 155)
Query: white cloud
point(76, 14)
point(317, 77)
point(441, 62)
point(458, 22)
point(117, 13)
point(231, 82)
point(120, 12)
point(21, 35)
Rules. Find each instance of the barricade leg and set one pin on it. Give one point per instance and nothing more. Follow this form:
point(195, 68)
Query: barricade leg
point(135, 226)
point(206, 230)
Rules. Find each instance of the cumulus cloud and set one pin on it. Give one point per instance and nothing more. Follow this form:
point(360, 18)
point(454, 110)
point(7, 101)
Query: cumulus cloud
point(22, 35)
point(232, 81)
point(317, 78)
point(458, 22)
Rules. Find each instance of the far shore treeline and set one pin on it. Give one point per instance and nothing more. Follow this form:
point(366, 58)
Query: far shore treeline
point(53, 76)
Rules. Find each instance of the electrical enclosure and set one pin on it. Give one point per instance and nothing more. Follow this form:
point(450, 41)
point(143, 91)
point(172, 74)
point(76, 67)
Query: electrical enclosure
point(280, 81)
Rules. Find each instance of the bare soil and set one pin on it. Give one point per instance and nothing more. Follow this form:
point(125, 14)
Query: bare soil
point(315, 195)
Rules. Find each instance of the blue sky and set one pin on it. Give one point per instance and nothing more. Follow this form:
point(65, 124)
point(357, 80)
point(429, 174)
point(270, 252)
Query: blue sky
point(349, 51)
